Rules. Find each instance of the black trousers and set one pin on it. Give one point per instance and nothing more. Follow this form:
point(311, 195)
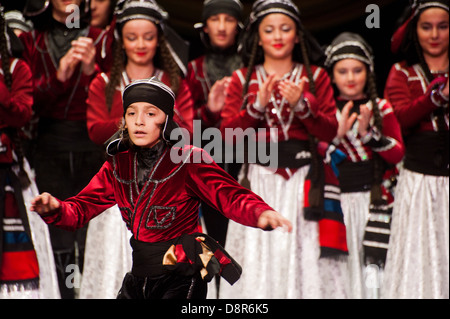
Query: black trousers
point(169, 286)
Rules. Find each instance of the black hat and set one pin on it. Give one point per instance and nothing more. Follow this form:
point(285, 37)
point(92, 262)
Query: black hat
point(144, 9)
point(349, 45)
point(35, 7)
point(156, 93)
point(212, 7)
point(15, 20)
point(151, 91)
point(13, 44)
point(261, 8)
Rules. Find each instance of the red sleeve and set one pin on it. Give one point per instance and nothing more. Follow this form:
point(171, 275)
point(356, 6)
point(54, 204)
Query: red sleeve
point(101, 122)
point(193, 83)
point(184, 107)
point(322, 123)
point(391, 129)
point(232, 115)
point(16, 105)
point(96, 197)
point(409, 108)
point(210, 183)
point(201, 111)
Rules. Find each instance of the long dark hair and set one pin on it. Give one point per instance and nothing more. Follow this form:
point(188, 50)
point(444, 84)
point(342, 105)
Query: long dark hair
point(163, 59)
point(301, 54)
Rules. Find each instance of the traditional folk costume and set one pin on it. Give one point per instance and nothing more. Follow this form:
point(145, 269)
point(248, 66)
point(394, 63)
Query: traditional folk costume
point(27, 268)
point(356, 175)
point(217, 63)
point(203, 72)
point(276, 264)
point(158, 191)
point(417, 264)
point(107, 242)
point(63, 156)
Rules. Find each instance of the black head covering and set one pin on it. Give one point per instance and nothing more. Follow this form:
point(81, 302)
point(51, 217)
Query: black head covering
point(15, 20)
point(154, 92)
point(13, 44)
point(151, 91)
point(35, 7)
point(127, 10)
point(212, 7)
point(349, 45)
point(260, 9)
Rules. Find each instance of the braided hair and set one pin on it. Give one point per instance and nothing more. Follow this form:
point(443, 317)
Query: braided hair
point(378, 163)
point(351, 45)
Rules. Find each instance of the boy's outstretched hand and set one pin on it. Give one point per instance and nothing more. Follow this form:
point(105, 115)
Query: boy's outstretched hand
point(271, 219)
point(44, 203)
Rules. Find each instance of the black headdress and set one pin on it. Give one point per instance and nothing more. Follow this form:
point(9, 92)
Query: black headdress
point(349, 45)
point(151, 91)
point(212, 7)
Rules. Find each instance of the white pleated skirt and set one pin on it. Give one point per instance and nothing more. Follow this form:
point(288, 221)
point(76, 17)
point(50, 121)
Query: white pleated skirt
point(417, 264)
point(365, 281)
point(107, 257)
point(278, 264)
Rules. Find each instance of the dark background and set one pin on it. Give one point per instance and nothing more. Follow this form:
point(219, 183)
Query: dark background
point(324, 18)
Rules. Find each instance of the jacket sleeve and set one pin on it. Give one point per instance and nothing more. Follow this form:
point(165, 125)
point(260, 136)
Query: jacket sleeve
point(408, 109)
point(389, 145)
point(95, 198)
point(101, 123)
point(207, 181)
point(16, 104)
point(232, 114)
point(321, 122)
point(184, 107)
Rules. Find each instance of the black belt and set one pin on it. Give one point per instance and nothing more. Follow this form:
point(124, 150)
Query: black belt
point(355, 176)
point(428, 153)
point(290, 154)
point(147, 257)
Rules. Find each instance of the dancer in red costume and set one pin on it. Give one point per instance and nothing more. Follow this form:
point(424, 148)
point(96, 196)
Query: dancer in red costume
point(158, 193)
point(417, 87)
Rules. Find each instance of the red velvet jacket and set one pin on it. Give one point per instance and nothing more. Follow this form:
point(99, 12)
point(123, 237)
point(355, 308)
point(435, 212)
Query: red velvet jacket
point(411, 97)
point(167, 206)
point(319, 119)
point(200, 85)
point(15, 104)
point(358, 150)
point(52, 98)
